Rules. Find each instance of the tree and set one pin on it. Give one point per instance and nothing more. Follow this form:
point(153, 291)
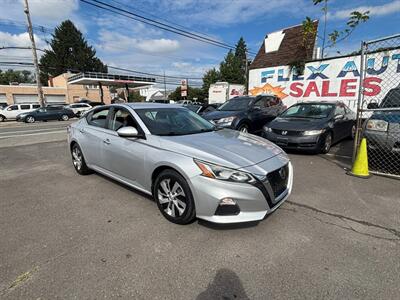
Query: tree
point(336, 36)
point(210, 77)
point(69, 52)
point(16, 76)
point(192, 93)
point(241, 54)
point(230, 69)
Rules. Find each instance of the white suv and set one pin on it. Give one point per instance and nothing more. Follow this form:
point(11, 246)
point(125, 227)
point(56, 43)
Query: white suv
point(12, 111)
point(79, 108)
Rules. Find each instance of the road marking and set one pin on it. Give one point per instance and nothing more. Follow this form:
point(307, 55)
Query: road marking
point(31, 134)
point(336, 155)
point(33, 130)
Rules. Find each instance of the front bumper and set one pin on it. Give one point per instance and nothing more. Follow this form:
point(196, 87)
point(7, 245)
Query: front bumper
point(310, 142)
point(254, 201)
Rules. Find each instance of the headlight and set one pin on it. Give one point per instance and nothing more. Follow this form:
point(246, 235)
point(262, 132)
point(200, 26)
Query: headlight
point(267, 129)
point(378, 125)
point(313, 132)
point(227, 120)
point(222, 173)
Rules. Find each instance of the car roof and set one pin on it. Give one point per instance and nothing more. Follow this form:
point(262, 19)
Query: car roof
point(145, 105)
point(320, 102)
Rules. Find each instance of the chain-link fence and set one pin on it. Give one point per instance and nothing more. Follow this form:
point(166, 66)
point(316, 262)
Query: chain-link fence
point(378, 109)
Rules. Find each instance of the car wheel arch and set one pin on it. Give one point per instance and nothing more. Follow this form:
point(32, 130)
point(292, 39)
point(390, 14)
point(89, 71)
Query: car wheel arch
point(159, 169)
point(244, 122)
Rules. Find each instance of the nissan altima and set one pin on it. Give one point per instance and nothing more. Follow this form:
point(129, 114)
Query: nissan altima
point(189, 166)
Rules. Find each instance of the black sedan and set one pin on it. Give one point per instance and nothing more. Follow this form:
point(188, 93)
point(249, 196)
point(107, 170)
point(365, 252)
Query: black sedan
point(46, 114)
point(311, 126)
point(246, 114)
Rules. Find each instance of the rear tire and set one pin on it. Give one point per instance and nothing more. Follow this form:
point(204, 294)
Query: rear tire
point(78, 160)
point(174, 198)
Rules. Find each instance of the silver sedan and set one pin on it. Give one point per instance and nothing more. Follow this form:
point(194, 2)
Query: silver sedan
point(190, 167)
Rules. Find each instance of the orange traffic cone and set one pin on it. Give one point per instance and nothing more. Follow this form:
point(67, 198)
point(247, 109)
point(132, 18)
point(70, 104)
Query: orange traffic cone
point(360, 166)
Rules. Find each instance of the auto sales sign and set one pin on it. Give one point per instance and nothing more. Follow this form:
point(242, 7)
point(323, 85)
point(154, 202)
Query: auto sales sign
point(333, 79)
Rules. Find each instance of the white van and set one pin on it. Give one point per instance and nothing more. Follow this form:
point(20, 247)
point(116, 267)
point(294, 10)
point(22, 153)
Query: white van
point(79, 108)
point(12, 111)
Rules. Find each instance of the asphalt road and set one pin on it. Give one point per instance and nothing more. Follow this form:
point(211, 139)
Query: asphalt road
point(65, 236)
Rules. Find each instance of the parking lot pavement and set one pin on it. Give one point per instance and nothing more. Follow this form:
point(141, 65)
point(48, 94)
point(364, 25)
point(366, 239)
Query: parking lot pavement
point(67, 236)
point(18, 134)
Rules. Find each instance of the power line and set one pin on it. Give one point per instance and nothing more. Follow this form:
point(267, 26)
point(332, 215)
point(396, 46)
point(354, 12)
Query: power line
point(157, 24)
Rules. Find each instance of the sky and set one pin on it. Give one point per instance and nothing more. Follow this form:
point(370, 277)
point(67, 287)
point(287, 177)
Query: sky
point(127, 43)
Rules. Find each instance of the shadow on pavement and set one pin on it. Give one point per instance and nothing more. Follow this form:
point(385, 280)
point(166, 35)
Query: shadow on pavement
point(225, 286)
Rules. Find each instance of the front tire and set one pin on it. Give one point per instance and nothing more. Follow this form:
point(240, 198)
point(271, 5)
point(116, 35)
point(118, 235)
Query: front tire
point(174, 198)
point(30, 119)
point(326, 143)
point(244, 128)
point(79, 161)
point(2, 118)
point(64, 117)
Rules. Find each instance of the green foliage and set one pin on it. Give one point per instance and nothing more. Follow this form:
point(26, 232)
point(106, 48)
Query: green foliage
point(16, 76)
point(134, 96)
point(230, 69)
point(210, 77)
point(192, 93)
point(336, 36)
point(69, 51)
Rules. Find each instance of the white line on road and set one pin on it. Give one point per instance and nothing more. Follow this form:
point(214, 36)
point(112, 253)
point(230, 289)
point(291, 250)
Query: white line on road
point(31, 134)
point(33, 130)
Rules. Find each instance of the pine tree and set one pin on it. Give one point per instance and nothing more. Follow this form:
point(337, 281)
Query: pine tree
point(69, 52)
point(210, 77)
point(240, 53)
point(230, 69)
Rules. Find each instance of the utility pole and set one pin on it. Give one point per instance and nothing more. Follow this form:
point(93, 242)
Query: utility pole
point(247, 73)
point(165, 87)
point(35, 59)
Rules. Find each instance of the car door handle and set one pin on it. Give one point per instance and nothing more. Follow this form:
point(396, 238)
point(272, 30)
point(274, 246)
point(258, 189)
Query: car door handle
point(107, 142)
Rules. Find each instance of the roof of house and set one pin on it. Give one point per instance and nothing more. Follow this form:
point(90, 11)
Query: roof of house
point(291, 48)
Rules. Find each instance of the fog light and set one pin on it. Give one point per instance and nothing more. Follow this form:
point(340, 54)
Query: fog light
point(226, 207)
point(227, 201)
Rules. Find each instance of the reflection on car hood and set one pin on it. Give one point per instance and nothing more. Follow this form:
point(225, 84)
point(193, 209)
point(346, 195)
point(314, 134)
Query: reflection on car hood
point(224, 147)
point(298, 124)
point(218, 114)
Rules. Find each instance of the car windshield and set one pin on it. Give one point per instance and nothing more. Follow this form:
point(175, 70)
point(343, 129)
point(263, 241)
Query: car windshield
point(173, 121)
point(313, 111)
point(236, 104)
point(392, 99)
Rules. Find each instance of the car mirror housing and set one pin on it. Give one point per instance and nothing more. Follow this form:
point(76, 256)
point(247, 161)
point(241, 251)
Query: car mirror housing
point(128, 132)
point(339, 117)
point(373, 105)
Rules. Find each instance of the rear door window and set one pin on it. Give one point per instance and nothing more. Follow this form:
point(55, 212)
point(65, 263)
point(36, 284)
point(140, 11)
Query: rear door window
point(35, 105)
point(25, 106)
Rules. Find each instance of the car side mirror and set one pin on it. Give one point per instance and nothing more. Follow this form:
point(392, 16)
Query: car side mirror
point(339, 117)
point(373, 105)
point(128, 132)
point(256, 108)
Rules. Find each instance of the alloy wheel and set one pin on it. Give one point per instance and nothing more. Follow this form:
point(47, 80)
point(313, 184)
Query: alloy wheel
point(30, 119)
point(244, 129)
point(353, 131)
point(1, 118)
point(77, 158)
point(64, 117)
point(328, 143)
point(172, 200)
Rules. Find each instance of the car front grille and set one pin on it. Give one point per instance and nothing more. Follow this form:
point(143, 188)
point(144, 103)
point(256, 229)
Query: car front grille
point(287, 132)
point(278, 180)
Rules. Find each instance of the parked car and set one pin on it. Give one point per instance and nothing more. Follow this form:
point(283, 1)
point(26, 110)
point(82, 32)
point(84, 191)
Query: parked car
point(79, 108)
point(202, 109)
point(12, 111)
point(382, 129)
point(246, 114)
point(46, 114)
point(313, 126)
point(189, 166)
point(91, 103)
point(184, 102)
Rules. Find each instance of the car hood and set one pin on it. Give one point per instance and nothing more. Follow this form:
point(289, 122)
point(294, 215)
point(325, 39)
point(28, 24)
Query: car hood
point(388, 116)
point(218, 114)
point(223, 147)
point(297, 124)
